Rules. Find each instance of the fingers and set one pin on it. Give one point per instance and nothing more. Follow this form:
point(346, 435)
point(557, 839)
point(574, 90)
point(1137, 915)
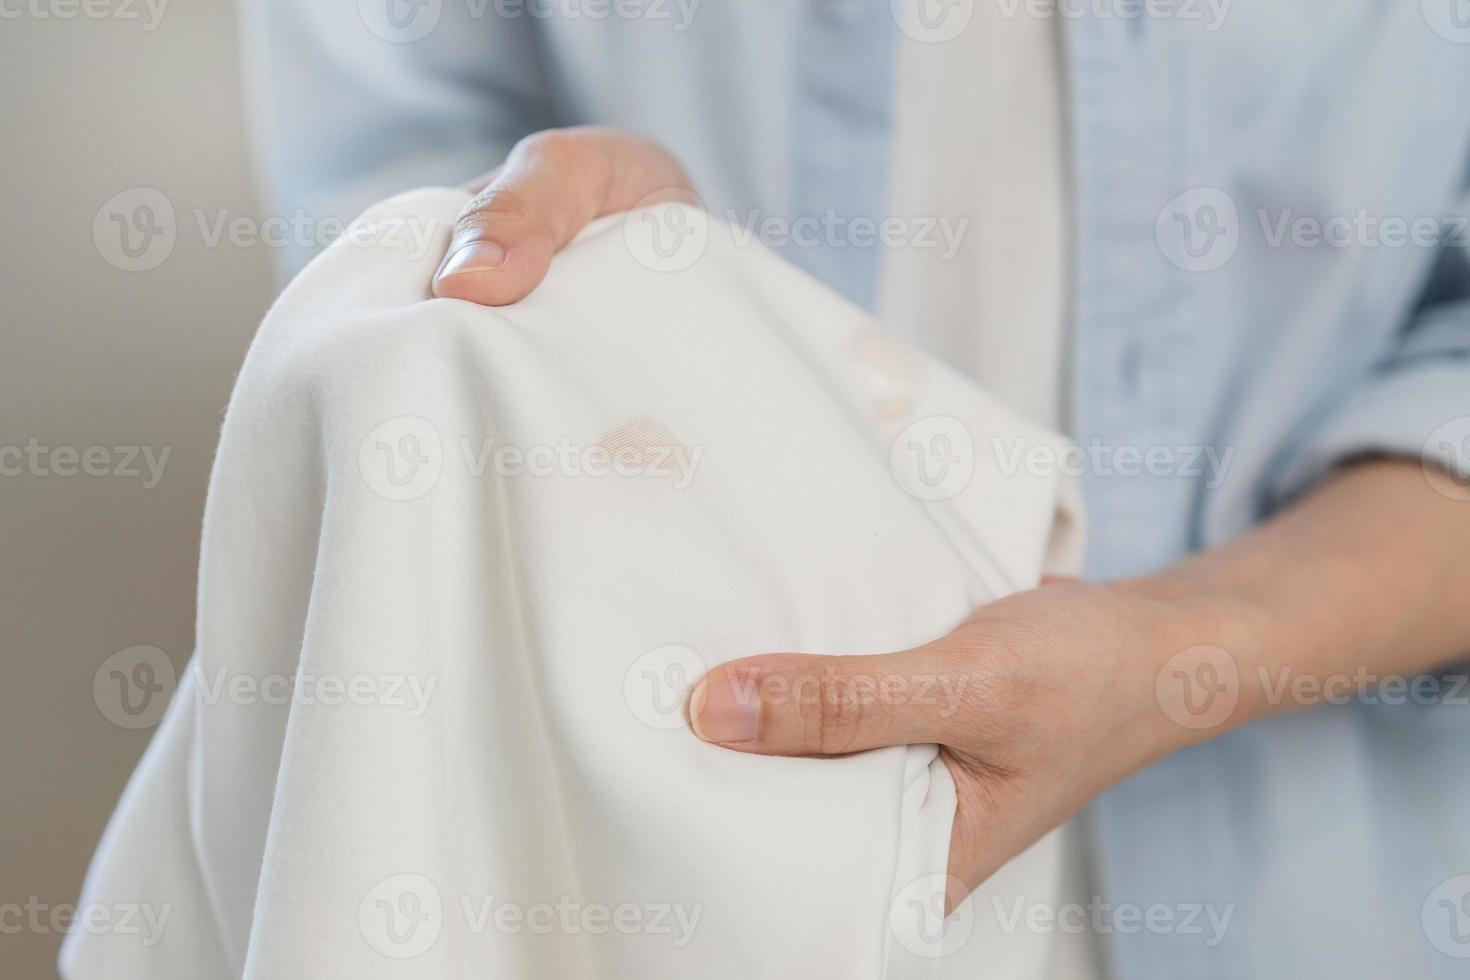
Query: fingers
point(795, 704)
point(550, 187)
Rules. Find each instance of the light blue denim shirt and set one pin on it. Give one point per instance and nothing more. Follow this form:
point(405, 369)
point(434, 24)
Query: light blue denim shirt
point(1270, 266)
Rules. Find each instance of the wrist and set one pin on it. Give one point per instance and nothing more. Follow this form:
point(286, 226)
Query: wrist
point(1202, 647)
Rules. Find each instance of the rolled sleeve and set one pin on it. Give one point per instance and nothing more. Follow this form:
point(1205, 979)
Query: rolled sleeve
point(1413, 404)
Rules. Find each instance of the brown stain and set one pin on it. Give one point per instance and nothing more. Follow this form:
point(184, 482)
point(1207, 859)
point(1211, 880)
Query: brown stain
point(892, 360)
point(897, 374)
point(642, 442)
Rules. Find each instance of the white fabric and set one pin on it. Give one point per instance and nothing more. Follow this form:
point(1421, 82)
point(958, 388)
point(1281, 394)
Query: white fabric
point(780, 464)
point(979, 137)
point(995, 159)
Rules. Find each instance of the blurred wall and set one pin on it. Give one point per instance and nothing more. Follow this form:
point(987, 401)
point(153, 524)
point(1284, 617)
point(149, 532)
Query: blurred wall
point(106, 348)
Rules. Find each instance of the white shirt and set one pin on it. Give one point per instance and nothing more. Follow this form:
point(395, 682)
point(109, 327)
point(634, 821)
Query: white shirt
point(490, 648)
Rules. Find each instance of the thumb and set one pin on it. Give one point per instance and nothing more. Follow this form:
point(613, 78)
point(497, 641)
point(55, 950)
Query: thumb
point(550, 187)
point(802, 704)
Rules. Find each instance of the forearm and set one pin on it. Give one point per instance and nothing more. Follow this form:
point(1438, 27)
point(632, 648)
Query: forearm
point(1366, 578)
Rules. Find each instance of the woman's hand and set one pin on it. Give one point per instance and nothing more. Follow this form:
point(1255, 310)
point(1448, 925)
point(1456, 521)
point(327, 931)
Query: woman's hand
point(550, 187)
point(1042, 700)
point(1039, 701)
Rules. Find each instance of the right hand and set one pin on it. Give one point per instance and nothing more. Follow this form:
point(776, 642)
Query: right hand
point(550, 187)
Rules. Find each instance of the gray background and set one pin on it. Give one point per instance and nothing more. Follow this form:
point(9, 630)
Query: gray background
point(94, 356)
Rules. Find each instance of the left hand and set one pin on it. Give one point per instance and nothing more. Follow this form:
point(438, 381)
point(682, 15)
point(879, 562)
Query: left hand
point(1038, 701)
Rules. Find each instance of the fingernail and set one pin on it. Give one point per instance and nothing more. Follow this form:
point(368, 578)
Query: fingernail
point(725, 711)
point(474, 257)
